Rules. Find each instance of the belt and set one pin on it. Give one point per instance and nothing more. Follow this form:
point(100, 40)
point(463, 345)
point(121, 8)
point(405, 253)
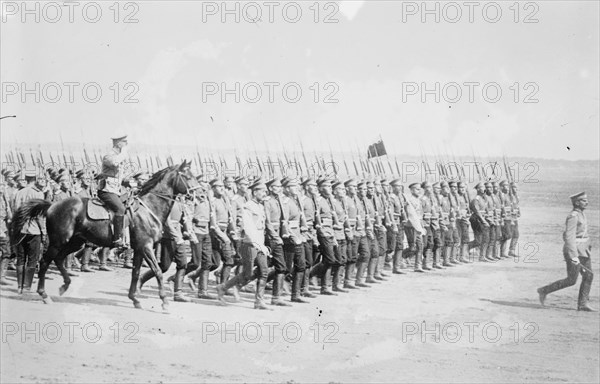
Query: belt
point(582, 239)
point(327, 222)
point(293, 224)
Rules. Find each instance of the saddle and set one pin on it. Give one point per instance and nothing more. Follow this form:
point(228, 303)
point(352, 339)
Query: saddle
point(96, 210)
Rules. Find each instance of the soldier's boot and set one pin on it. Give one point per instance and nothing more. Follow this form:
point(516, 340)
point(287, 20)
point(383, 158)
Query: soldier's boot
point(446, 256)
point(371, 271)
point(11, 265)
point(482, 253)
point(277, 285)
point(418, 262)
point(361, 268)
point(128, 259)
point(203, 286)
point(178, 295)
point(489, 255)
point(297, 287)
point(20, 278)
point(259, 302)
point(3, 267)
point(397, 263)
point(28, 279)
point(424, 259)
point(350, 267)
point(584, 293)
point(378, 275)
point(388, 261)
point(118, 231)
point(69, 264)
point(103, 256)
point(336, 273)
point(464, 254)
point(453, 259)
point(305, 290)
point(498, 250)
point(86, 253)
point(190, 278)
point(316, 272)
point(324, 282)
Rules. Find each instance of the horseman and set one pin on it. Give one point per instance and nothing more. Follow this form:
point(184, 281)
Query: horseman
point(110, 183)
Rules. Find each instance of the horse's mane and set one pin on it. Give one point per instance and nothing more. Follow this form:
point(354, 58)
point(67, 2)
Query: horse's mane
point(155, 179)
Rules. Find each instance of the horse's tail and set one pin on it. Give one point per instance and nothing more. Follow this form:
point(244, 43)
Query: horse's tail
point(27, 211)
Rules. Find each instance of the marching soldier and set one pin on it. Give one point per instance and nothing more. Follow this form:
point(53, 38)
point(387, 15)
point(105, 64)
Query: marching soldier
point(5, 218)
point(221, 243)
point(381, 224)
point(577, 252)
point(252, 249)
point(507, 218)
point(416, 227)
point(492, 220)
point(462, 219)
point(32, 237)
point(479, 221)
point(397, 205)
point(357, 237)
point(365, 235)
point(499, 220)
point(81, 189)
point(447, 224)
point(516, 214)
point(341, 232)
point(64, 187)
point(276, 231)
point(363, 193)
point(293, 245)
point(309, 206)
point(431, 217)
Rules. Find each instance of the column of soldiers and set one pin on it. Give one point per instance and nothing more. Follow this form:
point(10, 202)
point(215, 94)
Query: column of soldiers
point(290, 232)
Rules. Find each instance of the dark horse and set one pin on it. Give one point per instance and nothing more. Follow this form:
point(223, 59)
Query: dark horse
point(69, 227)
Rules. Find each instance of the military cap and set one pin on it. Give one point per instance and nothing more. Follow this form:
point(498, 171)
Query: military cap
point(9, 174)
point(308, 181)
point(444, 184)
point(241, 180)
point(336, 184)
point(503, 182)
point(578, 196)
point(258, 183)
point(452, 184)
point(487, 183)
point(29, 174)
point(323, 182)
point(80, 173)
point(216, 183)
point(480, 184)
point(350, 182)
point(119, 135)
point(396, 182)
point(289, 181)
point(61, 177)
point(377, 181)
point(494, 182)
point(414, 185)
point(274, 182)
point(425, 184)
point(512, 183)
point(228, 179)
point(436, 185)
point(461, 184)
point(361, 183)
point(384, 182)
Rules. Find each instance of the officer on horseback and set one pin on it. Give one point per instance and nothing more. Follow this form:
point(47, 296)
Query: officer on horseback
point(110, 184)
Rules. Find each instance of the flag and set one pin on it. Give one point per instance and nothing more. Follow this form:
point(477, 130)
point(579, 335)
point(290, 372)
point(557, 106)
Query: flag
point(376, 149)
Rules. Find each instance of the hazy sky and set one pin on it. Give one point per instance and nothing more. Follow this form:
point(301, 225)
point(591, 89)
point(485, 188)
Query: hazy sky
point(374, 51)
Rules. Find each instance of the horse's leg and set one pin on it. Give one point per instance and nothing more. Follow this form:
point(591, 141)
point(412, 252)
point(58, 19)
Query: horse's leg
point(59, 260)
point(44, 264)
point(135, 275)
point(156, 268)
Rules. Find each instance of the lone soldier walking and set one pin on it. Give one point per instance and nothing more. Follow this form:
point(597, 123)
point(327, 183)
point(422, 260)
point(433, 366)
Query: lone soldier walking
point(577, 251)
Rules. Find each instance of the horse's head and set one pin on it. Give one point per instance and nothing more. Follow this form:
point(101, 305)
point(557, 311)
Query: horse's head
point(185, 180)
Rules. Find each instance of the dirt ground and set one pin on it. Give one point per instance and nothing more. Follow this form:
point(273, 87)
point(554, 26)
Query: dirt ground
point(480, 322)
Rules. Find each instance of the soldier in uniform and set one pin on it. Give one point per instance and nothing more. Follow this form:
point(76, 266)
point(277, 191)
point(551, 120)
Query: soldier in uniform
point(293, 245)
point(447, 225)
point(5, 218)
point(229, 185)
point(238, 201)
point(252, 249)
point(480, 221)
point(431, 218)
point(462, 219)
point(365, 234)
point(397, 206)
point(221, 243)
point(356, 238)
point(81, 189)
point(340, 232)
point(416, 227)
point(577, 252)
point(277, 230)
point(506, 204)
point(363, 193)
point(382, 223)
point(110, 184)
point(516, 214)
point(64, 186)
point(498, 219)
point(325, 235)
point(309, 207)
point(30, 240)
point(492, 220)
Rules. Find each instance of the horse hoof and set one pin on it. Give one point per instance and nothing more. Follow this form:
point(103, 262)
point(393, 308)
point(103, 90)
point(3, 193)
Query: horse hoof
point(47, 300)
point(137, 305)
point(62, 289)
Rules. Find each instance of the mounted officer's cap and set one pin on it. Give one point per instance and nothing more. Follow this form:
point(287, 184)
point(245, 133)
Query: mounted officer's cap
point(119, 136)
point(578, 196)
point(216, 183)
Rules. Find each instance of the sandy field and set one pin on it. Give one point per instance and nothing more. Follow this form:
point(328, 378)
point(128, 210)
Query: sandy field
point(480, 322)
